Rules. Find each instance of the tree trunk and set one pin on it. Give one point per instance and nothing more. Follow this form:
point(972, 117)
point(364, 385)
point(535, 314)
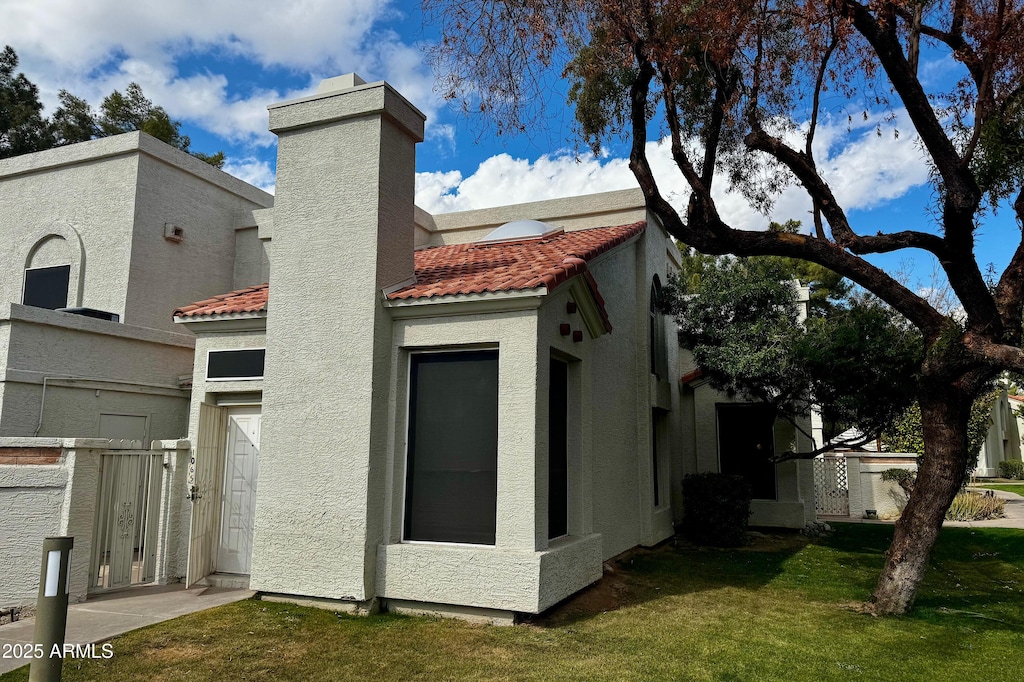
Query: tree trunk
point(944, 417)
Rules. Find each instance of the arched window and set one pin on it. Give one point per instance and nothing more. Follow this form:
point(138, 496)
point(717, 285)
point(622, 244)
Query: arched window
point(48, 275)
point(656, 332)
point(53, 270)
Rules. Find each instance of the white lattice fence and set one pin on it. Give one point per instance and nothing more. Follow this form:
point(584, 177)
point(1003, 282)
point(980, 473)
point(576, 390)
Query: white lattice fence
point(831, 486)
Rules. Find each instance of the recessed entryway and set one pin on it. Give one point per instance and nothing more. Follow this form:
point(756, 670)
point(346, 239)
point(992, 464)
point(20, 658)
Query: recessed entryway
point(234, 554)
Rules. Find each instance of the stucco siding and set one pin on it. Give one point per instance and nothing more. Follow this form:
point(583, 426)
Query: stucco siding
point(794, 506)
point(90, 367)
point(89, 204)
point(30, 506)
point(165, 274)
point(344, 207)
point(252, 259)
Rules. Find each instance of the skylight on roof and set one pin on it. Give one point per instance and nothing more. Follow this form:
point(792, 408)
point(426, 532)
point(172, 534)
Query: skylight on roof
point(521, 229)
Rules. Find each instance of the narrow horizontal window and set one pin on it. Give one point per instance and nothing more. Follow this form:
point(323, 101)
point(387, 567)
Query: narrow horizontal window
point(235, 364)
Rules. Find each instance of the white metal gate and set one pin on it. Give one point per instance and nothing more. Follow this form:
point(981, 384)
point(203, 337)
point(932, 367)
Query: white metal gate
point(831, 486)
point(124, 539)
point(205, 476)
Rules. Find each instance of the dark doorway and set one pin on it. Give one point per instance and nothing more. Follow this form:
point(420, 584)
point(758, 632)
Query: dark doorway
point(558, 450)
point(746, 445)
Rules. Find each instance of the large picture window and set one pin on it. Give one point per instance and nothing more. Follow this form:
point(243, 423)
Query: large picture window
point(47, 287)
point(746, 445)
point(451, 471)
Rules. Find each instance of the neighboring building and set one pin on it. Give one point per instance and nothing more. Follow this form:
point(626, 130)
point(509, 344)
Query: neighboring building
point(1003, 440)
point(118, 231)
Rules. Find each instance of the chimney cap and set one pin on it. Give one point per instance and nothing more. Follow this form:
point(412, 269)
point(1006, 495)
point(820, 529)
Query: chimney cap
point(339, 83)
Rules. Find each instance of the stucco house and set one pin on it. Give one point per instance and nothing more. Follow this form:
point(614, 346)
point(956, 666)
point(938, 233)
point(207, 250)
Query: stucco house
point(463, 410)
point(462, 413)
point(1003, 440)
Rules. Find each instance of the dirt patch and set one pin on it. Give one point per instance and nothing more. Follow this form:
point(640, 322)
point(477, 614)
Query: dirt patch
point(617, 588)
point(611, 592)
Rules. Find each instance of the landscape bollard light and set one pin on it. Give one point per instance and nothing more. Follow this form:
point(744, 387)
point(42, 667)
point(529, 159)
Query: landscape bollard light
point(52, 609)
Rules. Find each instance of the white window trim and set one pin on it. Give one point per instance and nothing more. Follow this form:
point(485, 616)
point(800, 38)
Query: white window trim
point(410, 352)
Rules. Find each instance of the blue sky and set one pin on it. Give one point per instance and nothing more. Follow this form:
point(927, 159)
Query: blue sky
point(216, 64)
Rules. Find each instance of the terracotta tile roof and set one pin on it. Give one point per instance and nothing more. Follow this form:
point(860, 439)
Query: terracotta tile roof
point(476, 268)
point(248, 300)
point(471, 268)
point(692, 376)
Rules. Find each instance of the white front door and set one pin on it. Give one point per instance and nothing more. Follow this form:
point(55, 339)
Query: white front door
point(240, 467)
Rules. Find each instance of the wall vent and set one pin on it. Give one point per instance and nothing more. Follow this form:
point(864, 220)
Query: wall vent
point(174, 233)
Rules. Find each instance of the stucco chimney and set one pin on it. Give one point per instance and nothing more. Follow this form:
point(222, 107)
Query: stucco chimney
point(346, 165)
point(343, 231)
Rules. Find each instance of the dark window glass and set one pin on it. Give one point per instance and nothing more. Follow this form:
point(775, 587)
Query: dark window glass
point(656, 332)
point(655, 465)
point(746, 444)
point(47, 287)
point(235, 364)
point(558, 465)
point(452, 469)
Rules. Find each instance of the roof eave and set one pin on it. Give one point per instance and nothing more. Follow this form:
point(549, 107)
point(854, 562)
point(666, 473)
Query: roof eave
point(466, 304)
point(247, 321)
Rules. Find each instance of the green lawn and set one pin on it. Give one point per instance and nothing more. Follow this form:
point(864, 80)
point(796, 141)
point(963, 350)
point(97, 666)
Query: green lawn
point(780, 610)
point(1016, 488)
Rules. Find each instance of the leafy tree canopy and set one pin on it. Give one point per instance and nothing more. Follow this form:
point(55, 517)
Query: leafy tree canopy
point(23, 128)
point(740, 90)
point(906, 434)
point(853, 358)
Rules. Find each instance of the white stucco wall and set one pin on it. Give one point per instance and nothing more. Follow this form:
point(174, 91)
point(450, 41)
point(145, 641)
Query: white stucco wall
point(1003, 439)
point(252, 258)
point(867, 490)
point(30, 502)
point(610, 480)
point(91, 367)
point(85, 193)
point(208, 205)
point(794, 506)
point(606, 209)
point(343, 229)
point(106, 203)
point(60, 499)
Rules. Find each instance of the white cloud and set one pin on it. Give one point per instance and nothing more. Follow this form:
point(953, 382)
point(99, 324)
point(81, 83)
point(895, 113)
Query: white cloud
point(252, 170)
point(298, 34)
point(504, 180)
point(863, 169)
point(91, 48)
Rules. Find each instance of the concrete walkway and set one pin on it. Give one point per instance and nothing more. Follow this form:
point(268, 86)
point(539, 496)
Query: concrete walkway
point(1014, 512)
point(100, 618)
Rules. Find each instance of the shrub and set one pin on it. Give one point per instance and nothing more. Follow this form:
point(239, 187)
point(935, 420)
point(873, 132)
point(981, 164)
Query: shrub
point(971, 506)
point(1011, 469)
point(716, 509)
point(904, 477)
